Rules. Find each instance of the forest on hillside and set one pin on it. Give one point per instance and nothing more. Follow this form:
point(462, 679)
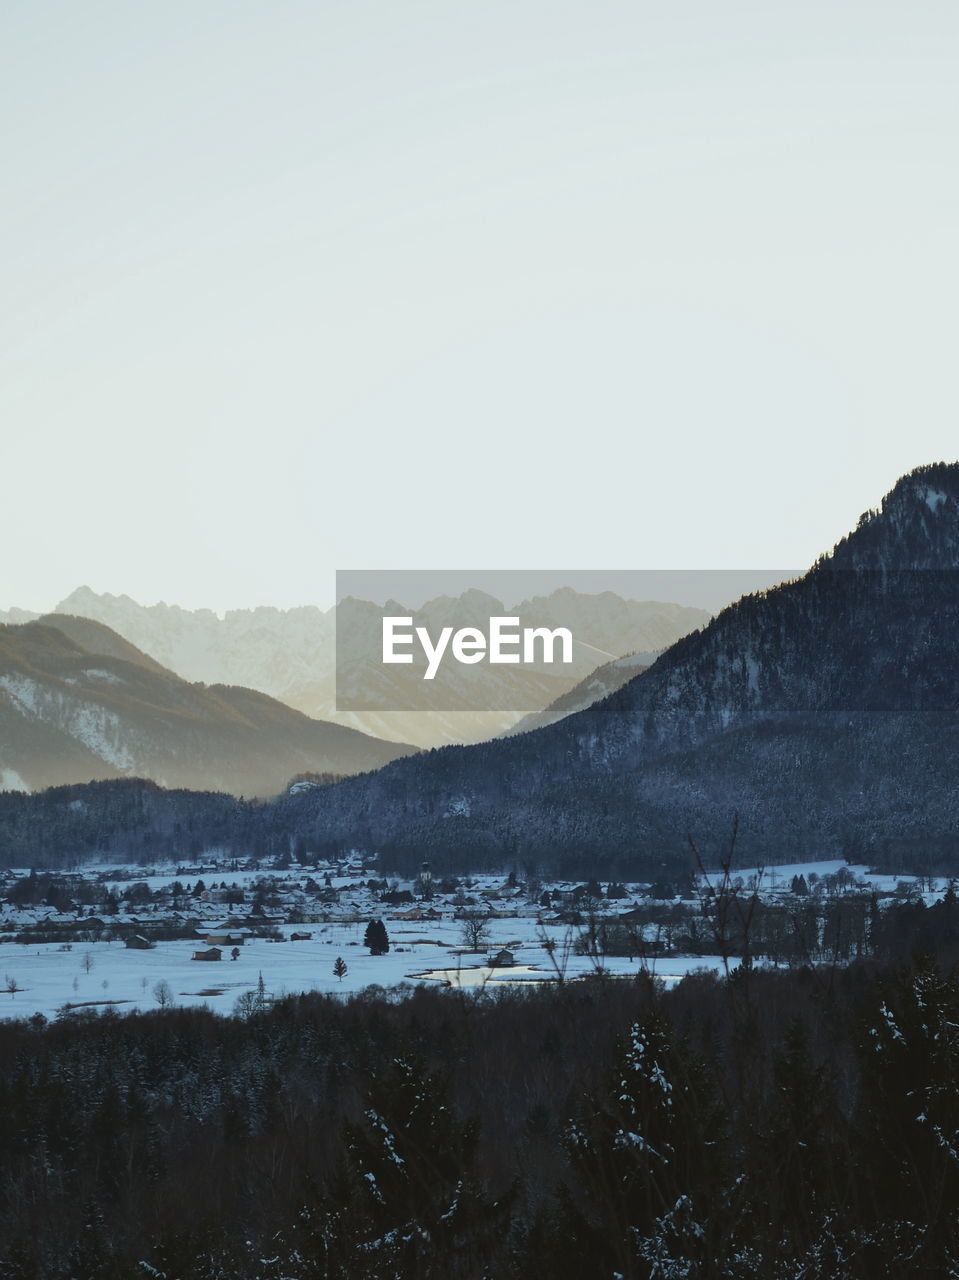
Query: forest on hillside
point(135, 822)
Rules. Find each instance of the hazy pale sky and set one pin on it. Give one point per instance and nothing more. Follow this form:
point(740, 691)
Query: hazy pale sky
point(291, 287)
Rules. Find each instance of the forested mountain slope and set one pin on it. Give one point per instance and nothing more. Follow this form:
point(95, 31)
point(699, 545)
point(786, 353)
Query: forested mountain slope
point(78, 702)
point(824, 712)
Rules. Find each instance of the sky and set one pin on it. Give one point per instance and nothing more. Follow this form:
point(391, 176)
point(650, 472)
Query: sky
point(291, 287)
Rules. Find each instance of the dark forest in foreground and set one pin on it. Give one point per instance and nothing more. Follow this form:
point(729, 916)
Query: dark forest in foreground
point(772, 1124)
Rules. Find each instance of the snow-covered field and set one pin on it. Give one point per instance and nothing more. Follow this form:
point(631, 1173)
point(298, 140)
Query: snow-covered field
point(778, 877)
point(108, 974)
point(48, 977)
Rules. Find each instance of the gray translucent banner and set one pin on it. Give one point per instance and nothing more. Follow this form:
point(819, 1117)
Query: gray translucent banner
point(512, 641)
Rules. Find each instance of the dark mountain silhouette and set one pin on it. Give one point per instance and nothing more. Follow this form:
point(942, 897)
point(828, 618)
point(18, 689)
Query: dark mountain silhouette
point(823, 712)
point(79, 702)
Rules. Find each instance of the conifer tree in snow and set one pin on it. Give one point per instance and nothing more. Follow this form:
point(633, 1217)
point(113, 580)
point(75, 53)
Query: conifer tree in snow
point(645, 1150)
point(376, 938)
point(407, 1196)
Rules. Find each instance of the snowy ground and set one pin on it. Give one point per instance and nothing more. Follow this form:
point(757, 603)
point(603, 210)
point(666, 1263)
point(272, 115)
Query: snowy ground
point(99, 975)
point(779, 877)
point(105, 974)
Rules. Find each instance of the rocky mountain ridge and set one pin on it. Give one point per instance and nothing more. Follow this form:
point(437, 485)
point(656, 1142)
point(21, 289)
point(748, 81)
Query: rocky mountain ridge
point(78, 702)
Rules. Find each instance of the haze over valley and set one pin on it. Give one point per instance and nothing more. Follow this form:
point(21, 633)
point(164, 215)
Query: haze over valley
point(291, 655)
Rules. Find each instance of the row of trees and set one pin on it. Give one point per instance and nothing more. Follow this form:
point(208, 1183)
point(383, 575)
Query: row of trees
point(625, 838)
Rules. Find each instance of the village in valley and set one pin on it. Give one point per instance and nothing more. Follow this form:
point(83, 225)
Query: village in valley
point(235, 935)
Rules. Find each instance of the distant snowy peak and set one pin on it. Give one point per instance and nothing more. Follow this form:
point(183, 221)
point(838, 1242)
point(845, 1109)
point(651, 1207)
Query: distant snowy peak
point(273, 650)
point(290, 654)
point(16, 617)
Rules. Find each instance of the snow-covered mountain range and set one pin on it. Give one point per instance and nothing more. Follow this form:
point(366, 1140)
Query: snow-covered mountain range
point(291, 654)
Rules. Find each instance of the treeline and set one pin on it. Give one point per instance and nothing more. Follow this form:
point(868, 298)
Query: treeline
point(402, 818)
point(830, 928)
point(801, 1122)
point(130, 820)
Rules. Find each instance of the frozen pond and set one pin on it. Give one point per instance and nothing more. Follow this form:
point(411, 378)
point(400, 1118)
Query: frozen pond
point(480, 975)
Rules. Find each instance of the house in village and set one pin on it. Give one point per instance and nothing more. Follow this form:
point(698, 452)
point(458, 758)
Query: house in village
point(638, 915)
point(502, 959)
point(417, 913)
point(213, 953)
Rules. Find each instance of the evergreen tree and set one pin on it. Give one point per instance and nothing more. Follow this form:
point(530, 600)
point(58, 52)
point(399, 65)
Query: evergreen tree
point(647, 1152)
point(908, 1114)
point(797, 1182)
point(339, 968)
point(376, 938)
point(408, 1197)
